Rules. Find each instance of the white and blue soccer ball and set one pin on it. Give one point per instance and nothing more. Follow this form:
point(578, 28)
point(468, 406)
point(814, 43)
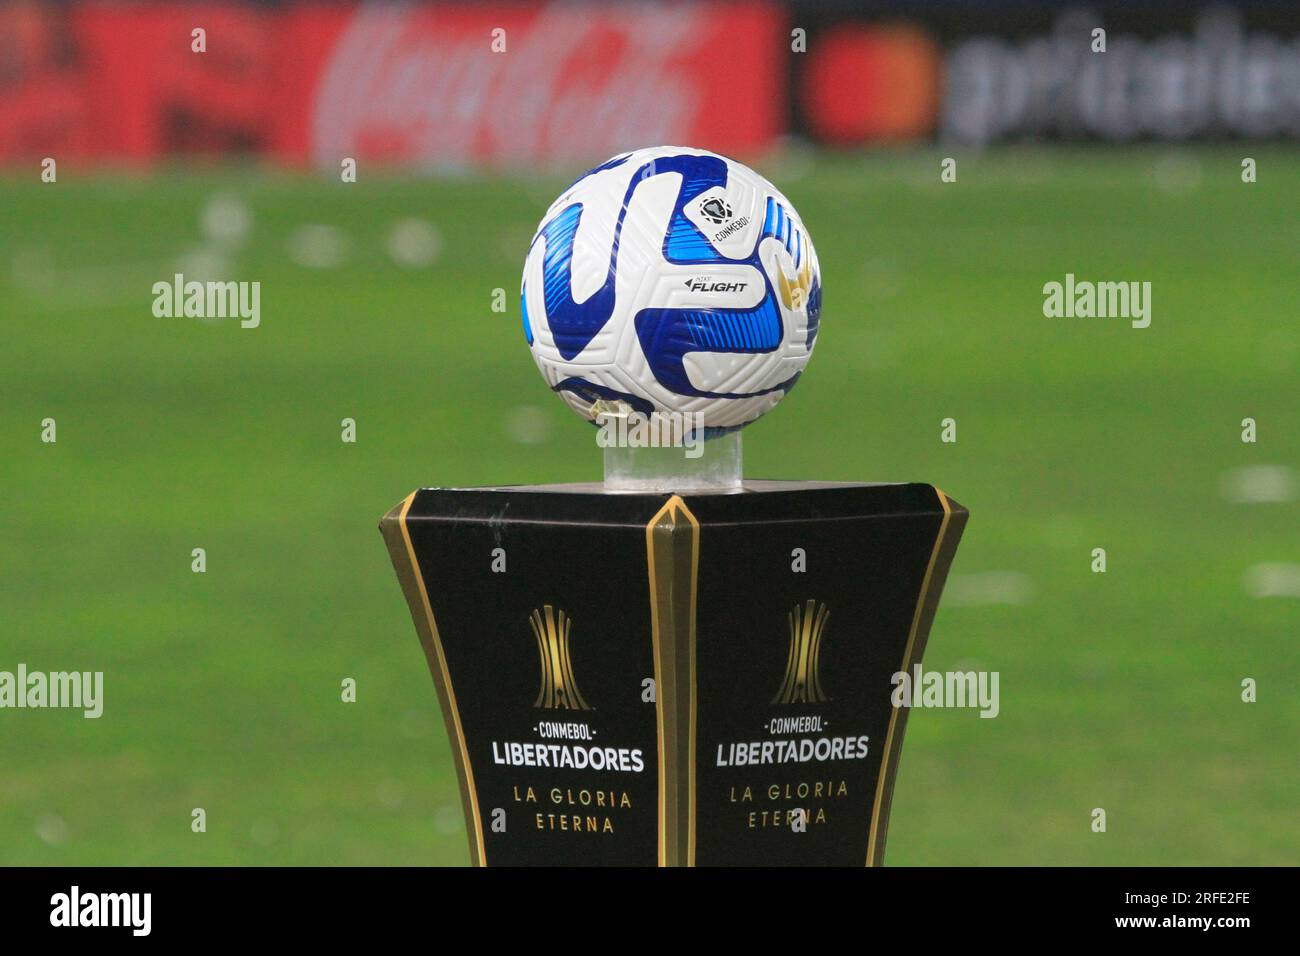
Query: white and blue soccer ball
point(674, 280)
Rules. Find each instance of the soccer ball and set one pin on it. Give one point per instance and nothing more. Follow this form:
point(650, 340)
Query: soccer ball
point(676, 281)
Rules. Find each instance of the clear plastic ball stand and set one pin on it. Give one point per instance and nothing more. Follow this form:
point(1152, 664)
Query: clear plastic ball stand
point(657, 454)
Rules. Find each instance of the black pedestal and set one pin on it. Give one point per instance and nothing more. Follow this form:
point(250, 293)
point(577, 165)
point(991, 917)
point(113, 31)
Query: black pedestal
point(651, 679)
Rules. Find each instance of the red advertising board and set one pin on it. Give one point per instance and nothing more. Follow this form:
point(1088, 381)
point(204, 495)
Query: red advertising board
point(43, 109)
point(463, 86)
point(152, 93)
point(431, 87)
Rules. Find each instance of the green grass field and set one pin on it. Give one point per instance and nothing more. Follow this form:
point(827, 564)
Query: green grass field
point(1119, 690)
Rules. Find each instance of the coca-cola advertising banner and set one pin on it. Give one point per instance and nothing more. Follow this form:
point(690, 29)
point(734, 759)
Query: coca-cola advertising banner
point(435, 87)
point(444, 87)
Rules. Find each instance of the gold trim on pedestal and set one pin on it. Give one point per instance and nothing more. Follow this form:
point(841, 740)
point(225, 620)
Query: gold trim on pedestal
point(422, 613)
point(889, 756)
point(673, 556)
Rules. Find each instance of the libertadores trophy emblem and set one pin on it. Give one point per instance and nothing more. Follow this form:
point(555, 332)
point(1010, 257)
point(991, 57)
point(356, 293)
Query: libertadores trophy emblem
point(677, 666)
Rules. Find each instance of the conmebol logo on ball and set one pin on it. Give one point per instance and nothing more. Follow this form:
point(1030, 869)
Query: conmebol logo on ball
point(673, 280)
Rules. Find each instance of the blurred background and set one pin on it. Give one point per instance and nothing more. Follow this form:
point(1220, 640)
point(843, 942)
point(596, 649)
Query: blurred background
point(1119, 690)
